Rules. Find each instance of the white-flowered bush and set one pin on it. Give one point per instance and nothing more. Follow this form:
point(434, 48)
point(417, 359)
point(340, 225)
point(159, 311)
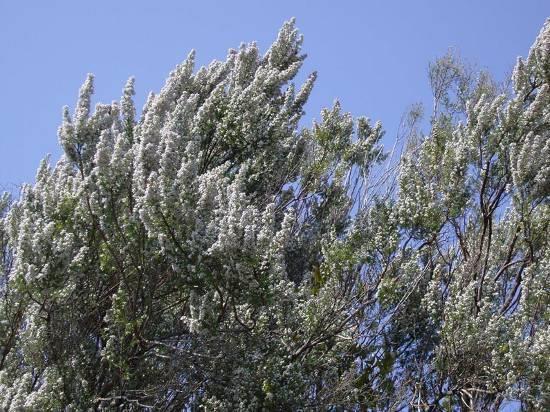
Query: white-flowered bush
point(215, 254)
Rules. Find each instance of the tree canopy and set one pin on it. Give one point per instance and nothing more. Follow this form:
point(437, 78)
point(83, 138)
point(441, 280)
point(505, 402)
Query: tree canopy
point(216, 254)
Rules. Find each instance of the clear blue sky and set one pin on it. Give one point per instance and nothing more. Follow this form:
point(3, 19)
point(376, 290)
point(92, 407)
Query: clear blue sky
point(371, 55)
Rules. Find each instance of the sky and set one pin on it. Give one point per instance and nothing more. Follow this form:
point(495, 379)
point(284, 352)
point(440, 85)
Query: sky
point(370, 55)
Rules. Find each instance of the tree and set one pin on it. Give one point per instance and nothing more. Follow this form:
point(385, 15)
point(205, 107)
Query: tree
point(215, 254)
point(473, 215)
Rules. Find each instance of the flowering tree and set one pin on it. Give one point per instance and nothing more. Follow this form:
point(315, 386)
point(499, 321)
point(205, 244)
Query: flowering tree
point(472, 217)
point(215, 254)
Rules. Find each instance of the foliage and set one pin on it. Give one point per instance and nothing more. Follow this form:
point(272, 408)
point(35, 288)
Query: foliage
point(216, 254)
